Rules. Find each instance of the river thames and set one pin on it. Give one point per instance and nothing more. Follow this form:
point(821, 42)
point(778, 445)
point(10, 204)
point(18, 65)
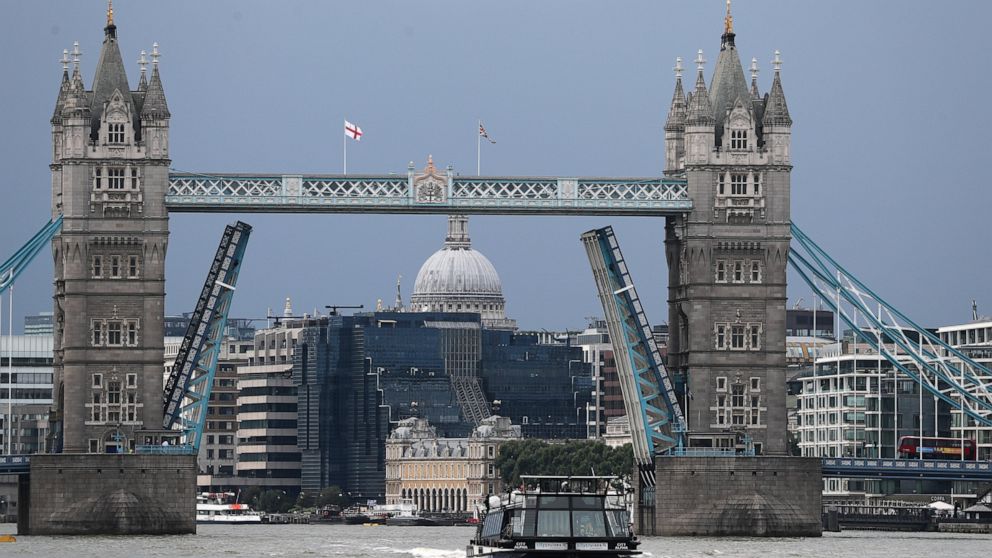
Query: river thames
point(449, 542)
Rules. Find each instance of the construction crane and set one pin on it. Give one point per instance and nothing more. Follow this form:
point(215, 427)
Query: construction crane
point(187, 390)
point(657, 423)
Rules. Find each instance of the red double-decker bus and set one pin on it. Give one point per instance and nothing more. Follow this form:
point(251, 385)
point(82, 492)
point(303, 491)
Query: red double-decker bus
point(936, 448)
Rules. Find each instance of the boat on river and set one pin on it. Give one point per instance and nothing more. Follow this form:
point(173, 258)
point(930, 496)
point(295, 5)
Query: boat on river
point(223, 508)
point(560, 517)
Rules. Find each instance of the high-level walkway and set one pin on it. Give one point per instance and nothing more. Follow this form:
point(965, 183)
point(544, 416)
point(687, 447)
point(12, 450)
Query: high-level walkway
point(430, 192)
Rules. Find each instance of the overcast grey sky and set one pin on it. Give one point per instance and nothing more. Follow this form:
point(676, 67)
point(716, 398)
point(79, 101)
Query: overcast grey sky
point(891, 139)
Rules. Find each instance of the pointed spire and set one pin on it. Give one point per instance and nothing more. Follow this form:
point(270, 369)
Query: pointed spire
point(155, 105)
point(63, 87)
point(727, 39)
point(110, 29)
point(700, 111)
point(287, 309)
point(110, 75)
point(728, 21)
point(76, 53)
point(776, 109)
point(143, 64)
point(457, 233)
point(754, 78)
point(677, 110)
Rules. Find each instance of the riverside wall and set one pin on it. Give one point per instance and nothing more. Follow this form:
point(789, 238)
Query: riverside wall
point(111, 494)
point(762, 496)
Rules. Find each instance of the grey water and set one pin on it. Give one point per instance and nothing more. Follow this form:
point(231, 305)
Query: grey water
point(449, 542)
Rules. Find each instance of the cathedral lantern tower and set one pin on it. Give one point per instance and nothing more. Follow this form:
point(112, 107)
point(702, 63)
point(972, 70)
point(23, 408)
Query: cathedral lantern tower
point(110, 161)
point(727, 258)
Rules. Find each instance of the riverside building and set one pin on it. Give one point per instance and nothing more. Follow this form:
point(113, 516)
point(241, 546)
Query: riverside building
point(439, 474)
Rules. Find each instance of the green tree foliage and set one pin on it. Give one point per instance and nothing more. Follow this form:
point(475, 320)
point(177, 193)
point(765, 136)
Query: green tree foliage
point(274, 501)
point(536, 457)
point(332, 496)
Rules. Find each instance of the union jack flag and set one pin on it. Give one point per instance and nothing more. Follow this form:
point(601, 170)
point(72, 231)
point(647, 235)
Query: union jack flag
point(482, 132)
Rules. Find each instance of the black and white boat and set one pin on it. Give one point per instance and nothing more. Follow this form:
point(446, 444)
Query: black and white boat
point(560, 517)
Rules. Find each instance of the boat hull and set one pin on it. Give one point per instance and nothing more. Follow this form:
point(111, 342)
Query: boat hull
point(473, 551)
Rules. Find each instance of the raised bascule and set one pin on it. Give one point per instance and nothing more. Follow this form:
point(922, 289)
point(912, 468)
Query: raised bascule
point(710, 428)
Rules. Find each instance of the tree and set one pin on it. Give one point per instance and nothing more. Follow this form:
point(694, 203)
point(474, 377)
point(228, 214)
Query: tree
point(332, 496)
point(536, 457)
point(305, 500)
point(274, 501)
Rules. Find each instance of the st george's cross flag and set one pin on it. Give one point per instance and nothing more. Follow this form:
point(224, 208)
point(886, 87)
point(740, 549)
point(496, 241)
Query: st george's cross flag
point(352, 131)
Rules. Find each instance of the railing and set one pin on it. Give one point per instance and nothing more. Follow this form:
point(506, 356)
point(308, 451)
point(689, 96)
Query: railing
point(437, 192)
point(903, 468)
point(165, 450)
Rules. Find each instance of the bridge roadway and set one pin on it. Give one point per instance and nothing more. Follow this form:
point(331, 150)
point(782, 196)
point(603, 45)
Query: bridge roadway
point(927, 469)
point(832, 467)
point(429, 192)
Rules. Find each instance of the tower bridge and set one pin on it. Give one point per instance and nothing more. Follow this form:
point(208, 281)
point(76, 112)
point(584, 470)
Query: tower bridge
point(725, 195)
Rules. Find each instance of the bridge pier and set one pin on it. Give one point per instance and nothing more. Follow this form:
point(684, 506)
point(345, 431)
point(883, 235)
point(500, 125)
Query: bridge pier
point(111, 494)
point(761, 496)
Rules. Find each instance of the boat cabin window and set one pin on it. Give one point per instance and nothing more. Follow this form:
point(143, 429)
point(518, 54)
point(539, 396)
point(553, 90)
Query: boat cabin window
point(553, 523)
point(588, 523)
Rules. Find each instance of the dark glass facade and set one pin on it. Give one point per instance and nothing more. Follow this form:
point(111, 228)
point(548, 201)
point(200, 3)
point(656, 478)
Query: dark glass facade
point(543, 388)
point(356, 374)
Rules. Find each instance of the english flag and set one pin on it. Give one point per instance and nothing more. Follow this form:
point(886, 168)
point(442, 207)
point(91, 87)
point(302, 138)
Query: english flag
point(352, 131)
point(482, 132)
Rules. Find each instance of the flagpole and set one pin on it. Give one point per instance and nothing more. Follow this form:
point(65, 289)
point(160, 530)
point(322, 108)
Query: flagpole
point(478, 150)
point(344, 139)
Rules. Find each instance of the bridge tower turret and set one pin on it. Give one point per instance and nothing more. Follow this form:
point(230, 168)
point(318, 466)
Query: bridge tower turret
point(727, 258)
point(109, 178)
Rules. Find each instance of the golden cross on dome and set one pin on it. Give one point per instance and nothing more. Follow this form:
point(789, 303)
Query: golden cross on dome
point(110, 12)
point(728, 21)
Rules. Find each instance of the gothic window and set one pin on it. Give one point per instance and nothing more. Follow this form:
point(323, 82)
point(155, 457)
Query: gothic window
point(97, 267)
point(737, 337)
point(132, 266)
point(755, 384)
point(96, 412)
point(115, 132)
point(114, 337)
point(738, 271)
point(134, 178)
point(755, 271)
point(721, 336)
point(737, 395)
point(132, 380)
point(132, 333)
point(94, 445)
point(754, 333)
point(97, 178)
point(96, 336)
point(721, 271)
point(115, 178)
point(738, 139)
point(738, 184)
point(721, 383)
point(721, 189)
point(757, 184)
point(115, 267)
point(97, 382)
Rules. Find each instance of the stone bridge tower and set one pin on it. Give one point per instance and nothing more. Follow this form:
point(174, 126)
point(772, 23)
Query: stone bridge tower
point(110, 161)
point(727, 259)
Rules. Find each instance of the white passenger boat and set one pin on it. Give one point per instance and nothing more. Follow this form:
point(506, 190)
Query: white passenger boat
point(223, 508)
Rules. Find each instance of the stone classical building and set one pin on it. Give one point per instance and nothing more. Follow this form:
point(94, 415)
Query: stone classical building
point(445, 474)
point(727, 258)
point(110, 166)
